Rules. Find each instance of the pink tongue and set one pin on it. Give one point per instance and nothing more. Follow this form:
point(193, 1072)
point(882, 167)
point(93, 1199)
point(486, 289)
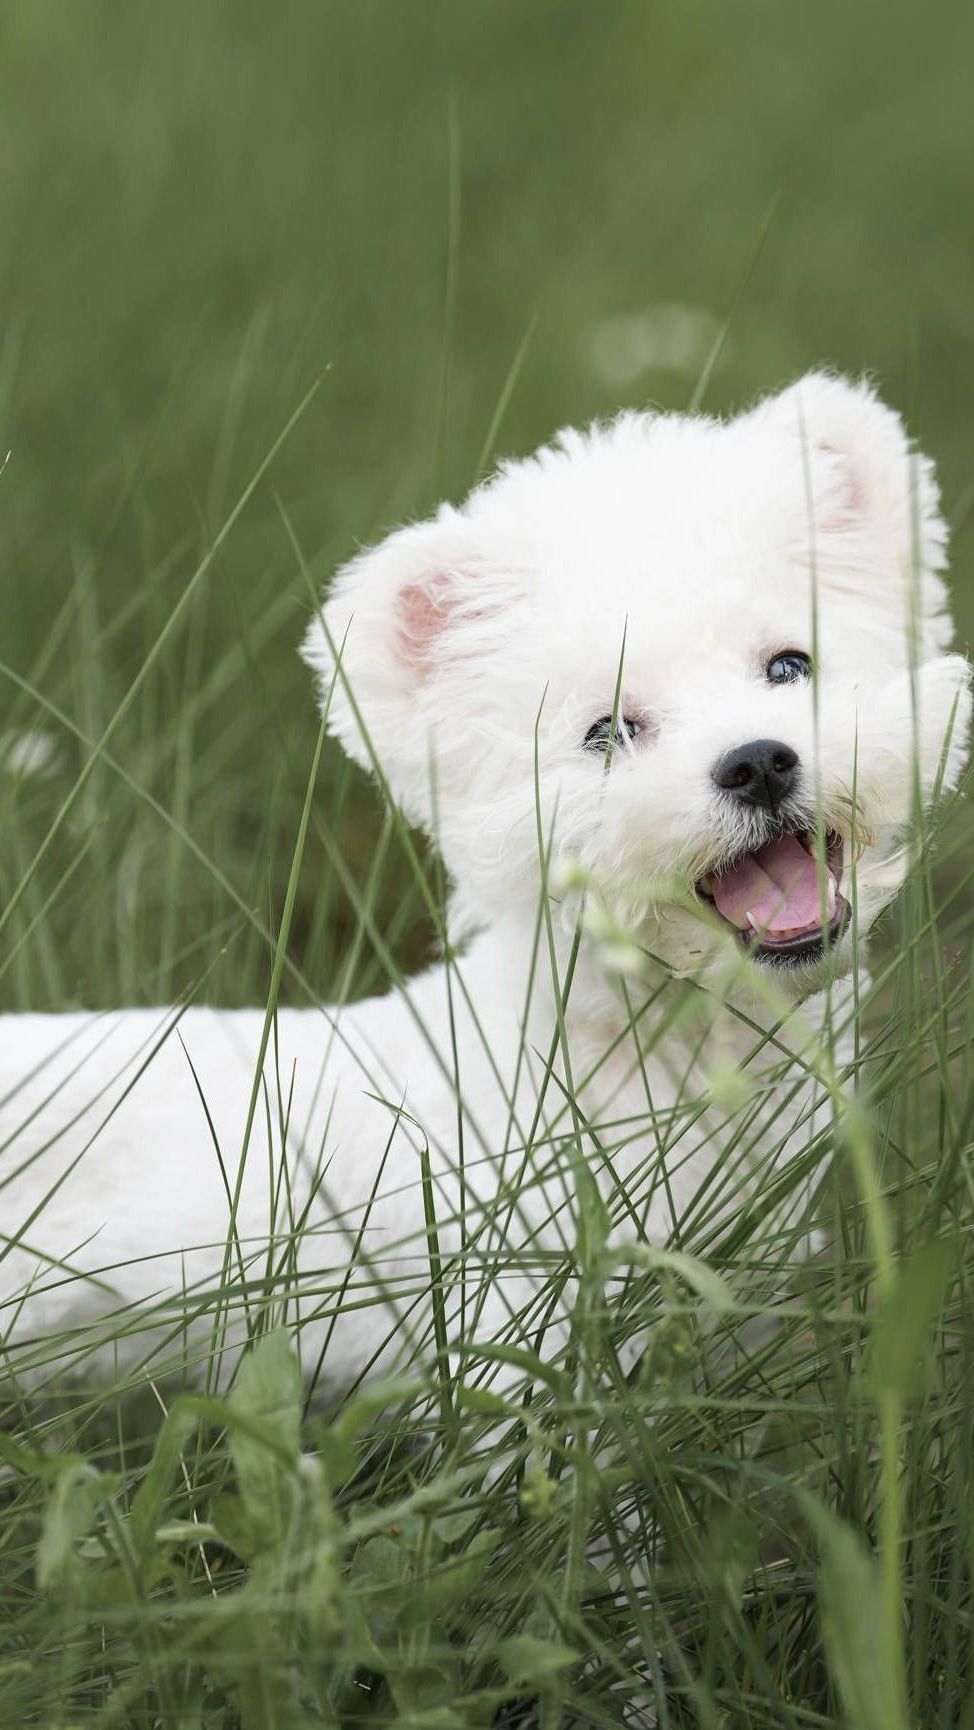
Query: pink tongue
point(774, 890)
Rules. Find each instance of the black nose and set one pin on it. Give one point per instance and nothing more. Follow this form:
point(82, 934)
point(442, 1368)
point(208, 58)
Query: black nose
point(761, 773)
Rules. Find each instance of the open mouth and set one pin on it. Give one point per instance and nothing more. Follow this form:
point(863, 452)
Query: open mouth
point(775, 899)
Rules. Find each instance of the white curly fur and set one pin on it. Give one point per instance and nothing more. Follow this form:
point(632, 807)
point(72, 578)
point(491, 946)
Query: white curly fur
point(661, 559)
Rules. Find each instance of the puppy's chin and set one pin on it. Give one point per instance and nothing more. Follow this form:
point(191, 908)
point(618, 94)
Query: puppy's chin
point(799, 974)
point(706, 932)
point(696, 947)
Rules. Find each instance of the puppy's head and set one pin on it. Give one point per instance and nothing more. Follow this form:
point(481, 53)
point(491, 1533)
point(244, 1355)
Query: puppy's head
point(704, 659)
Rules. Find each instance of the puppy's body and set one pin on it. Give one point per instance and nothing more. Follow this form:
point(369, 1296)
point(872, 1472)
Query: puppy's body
point(123, 1137)
point(594, 686)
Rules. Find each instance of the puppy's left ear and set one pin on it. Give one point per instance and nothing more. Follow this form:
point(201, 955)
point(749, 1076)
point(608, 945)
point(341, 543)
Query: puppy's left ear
point(874, 497)
point(400, 649)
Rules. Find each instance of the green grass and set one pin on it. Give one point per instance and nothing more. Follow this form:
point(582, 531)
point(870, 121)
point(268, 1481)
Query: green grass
point(438, 211)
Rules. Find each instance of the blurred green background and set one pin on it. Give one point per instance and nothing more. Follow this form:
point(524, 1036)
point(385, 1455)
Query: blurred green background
point(547, 209)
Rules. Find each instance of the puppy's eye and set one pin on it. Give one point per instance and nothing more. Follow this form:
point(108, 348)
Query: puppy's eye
point(788, 667)
point(602, 734)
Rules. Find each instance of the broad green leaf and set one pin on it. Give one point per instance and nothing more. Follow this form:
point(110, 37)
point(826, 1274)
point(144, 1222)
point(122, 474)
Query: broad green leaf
point(68, 1517)
point(265, 1696)
point(486, 1404)
point(175, 1533)
point(525, 1658)
point(902, 1346)
point(324, 1593)
point(359, 1412)
point(268, 1388)
point(233, 1525)
point(856, 1644)
point(338, 1457)
point(453, 1528)
point(529, 1363)
point(442, 1591)
point(425, 1692)
point(336, 1439)
point(378, 1571)
point(150, 1499)
point(592, 1218)
point(697, 1274)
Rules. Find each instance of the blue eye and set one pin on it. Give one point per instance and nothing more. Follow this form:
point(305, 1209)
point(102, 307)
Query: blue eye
point(788, 667)
point(601, 735)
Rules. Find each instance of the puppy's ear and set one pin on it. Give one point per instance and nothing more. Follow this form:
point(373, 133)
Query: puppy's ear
point(399, 642)
point(874, 498)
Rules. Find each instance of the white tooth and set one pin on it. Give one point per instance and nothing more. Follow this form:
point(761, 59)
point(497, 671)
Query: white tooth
point(831, 895)
point(752, 922)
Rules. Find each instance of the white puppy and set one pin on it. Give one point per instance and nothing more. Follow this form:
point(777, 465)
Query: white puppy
point(666, 695)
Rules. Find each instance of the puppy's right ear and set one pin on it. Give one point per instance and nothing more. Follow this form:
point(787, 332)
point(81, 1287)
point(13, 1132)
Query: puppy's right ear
point(873, 496)
point(398, 645)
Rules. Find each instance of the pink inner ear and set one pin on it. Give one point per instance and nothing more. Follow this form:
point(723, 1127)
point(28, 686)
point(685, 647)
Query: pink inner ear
point(423, 613)
point(846, 502)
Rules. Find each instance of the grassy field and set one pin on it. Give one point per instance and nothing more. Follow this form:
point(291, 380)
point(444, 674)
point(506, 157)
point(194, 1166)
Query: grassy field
point(465, 226)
